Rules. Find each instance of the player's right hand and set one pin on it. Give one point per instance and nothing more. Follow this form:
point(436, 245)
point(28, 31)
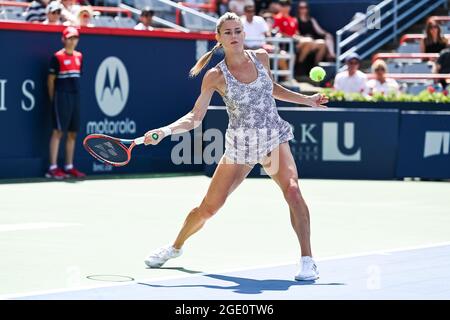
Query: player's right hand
point(149, 139)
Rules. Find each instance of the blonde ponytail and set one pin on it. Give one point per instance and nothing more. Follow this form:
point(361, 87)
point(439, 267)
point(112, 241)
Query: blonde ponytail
point(203, 61)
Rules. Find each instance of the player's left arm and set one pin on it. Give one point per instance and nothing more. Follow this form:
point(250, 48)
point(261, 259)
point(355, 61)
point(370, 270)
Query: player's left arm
point(281, 93)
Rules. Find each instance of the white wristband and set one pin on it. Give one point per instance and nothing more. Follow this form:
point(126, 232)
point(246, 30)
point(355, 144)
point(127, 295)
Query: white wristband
point(166, 130)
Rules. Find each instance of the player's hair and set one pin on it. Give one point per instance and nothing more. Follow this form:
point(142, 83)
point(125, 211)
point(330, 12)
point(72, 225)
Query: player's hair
point(204, 60)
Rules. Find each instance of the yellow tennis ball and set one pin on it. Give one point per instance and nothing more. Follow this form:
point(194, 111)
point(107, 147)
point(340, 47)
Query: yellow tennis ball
point(317, 74)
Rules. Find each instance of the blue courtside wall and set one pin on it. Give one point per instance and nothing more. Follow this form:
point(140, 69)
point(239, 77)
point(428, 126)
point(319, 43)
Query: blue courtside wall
point(393, 144)
point(370, 154)
point(424, 149)
point(160, 91)
point(360, 143)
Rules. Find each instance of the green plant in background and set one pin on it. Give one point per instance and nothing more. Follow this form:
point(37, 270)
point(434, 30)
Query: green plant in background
point(430, 95)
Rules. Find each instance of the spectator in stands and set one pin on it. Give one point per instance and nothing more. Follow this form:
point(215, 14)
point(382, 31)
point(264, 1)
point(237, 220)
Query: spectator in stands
point(146, 20)
point(36, 11)
point(274, 7)
point(381, 84)
point(352, 80)
point(287, 26)
point(442, 66)
point(237, 6)
point(268, 17)
point(69, 12)
point(221, 7)
point(84, 17)
point(53, 13)
point(434, 42)
point(309, 27)
point(255, 28)
point(63, 89)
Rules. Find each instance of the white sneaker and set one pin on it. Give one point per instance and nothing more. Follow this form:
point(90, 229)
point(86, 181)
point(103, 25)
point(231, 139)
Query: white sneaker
point(308, 270)
point(157, 258)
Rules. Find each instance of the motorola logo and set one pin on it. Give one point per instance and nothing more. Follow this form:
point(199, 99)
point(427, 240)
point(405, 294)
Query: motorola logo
point(111, 86)
point(111, 92)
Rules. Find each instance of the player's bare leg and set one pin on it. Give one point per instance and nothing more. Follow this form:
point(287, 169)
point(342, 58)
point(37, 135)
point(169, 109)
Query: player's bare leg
point(285, 175)
point(225, 180)
point(281, 167)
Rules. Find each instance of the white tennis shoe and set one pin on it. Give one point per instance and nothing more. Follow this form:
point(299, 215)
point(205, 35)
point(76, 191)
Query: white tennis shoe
point(160, 256)
point(308, 270)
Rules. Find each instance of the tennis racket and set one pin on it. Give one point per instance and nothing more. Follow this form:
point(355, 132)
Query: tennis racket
point(110, 150)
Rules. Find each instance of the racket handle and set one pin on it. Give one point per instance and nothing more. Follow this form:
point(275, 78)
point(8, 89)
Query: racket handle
point(139, 140)
point(155, 136)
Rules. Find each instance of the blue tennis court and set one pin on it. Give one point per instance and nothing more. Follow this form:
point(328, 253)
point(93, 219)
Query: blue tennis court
point(397, 248)
point(422, 273)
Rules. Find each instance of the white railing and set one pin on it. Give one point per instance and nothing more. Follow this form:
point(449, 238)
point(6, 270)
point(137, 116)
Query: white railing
point(287, 54)
point(283, 50)
point(156, 19)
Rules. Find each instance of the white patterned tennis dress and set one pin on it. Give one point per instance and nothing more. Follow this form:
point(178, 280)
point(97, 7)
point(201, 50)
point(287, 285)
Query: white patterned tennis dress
point(255, 128)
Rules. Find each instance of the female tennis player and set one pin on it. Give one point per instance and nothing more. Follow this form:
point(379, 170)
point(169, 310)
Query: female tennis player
point(255, 134)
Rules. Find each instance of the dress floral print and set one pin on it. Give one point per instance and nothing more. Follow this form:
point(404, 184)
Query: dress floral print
point(255, 128)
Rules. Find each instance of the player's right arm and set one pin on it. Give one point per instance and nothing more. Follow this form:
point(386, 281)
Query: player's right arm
point(194, 117)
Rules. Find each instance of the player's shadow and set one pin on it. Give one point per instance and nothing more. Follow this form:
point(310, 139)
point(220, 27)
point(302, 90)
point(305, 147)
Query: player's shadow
point(247, 285)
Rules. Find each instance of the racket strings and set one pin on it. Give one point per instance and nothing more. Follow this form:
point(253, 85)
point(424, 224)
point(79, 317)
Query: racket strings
point(107, 150)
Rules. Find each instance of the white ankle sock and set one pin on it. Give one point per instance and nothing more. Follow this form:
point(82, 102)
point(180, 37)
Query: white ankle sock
point(68, 167)
point(53, 167)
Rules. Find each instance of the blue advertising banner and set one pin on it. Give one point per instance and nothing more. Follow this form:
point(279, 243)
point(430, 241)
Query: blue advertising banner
point(424, 149)
point(130, 84)
point(333, 143)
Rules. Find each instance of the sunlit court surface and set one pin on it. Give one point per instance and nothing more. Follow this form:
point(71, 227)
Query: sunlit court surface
point(371, 240)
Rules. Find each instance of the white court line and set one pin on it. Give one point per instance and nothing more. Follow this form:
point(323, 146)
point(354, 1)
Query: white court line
point(338, 257)
point(34, 226)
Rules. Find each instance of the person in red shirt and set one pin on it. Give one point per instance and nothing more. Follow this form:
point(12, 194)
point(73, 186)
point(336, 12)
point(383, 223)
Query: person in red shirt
point(283, 21)
point(287, 26)
point(64, 93)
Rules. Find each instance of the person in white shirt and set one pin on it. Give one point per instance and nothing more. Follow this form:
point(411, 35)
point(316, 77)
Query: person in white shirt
point(237, 6)
point(381, 84)
point(53, 11)
point(69, 12)
point(146, 20)
point(352, 80)
point(255, 28)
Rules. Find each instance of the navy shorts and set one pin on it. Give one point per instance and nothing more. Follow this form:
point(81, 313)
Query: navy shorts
point(66, 111)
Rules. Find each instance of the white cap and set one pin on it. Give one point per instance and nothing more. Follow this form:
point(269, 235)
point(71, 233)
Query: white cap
point(53, 6)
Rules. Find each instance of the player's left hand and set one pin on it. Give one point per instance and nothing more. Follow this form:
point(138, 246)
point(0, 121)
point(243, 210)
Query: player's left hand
point(318, 100)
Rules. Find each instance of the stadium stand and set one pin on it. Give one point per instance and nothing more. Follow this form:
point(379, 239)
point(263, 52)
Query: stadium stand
point(406, 64)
